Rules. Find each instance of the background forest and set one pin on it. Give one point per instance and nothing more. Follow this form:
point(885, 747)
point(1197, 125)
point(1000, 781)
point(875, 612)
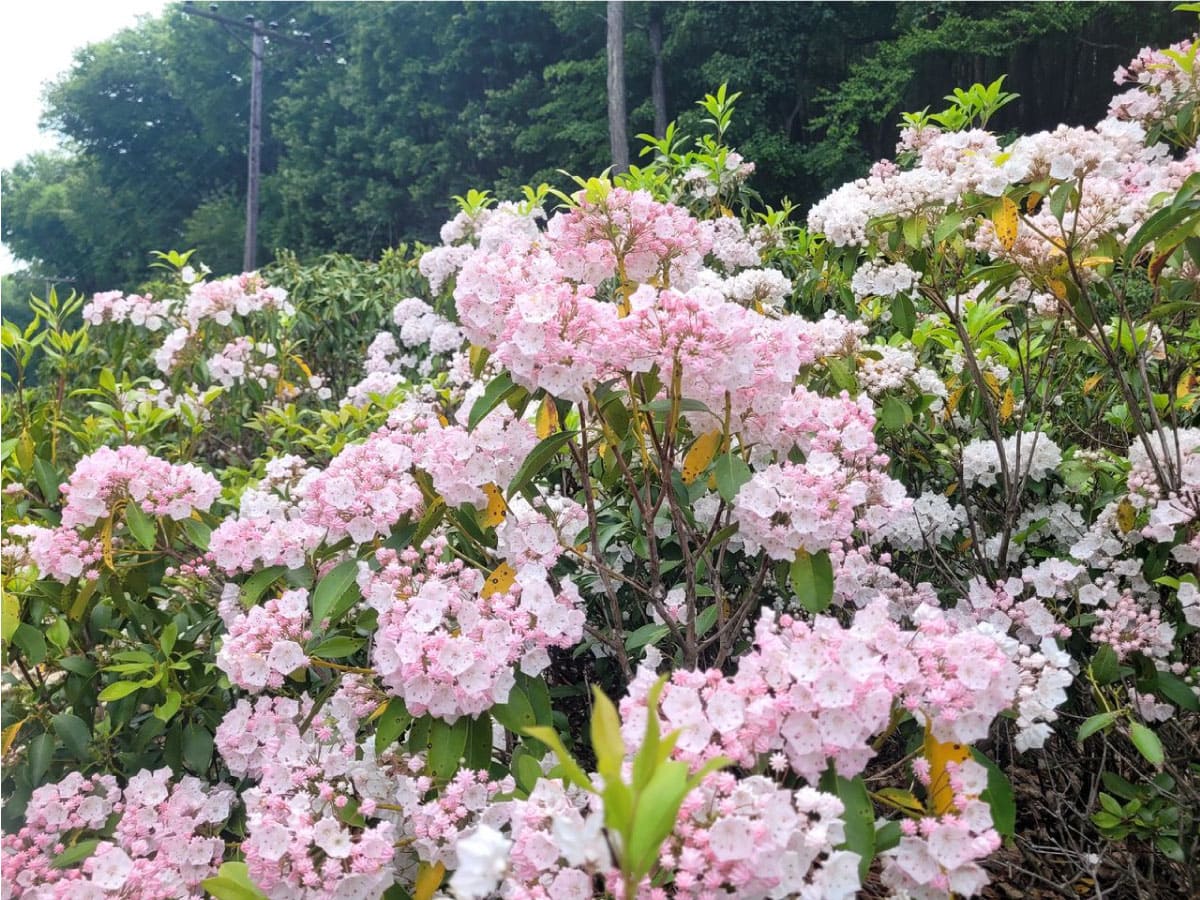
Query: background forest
point(368, 136)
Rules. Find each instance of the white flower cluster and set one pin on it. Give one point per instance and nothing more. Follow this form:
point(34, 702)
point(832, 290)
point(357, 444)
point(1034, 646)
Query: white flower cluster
point(931, 520)
point(1029, 455)
point(881, 279)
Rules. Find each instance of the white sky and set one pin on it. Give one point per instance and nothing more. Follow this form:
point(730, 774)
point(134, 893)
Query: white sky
point(40, 39)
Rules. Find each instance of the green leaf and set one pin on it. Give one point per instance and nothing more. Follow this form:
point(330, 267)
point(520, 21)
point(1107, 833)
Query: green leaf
point(48, 478)
point(657, 809)
point(75, 854)
point(811, 576)
point(914, 231)
point(336, 647)
point(232, 882)
point(1177, 691)
point(895, 414)
point(446, 745)
point(999, 796)
point(888, 836)
point(256, 585)
point(198, 533)
point(860, 821)
point(337, 590)
point(1098, 722)
point(40, 753)
point(539, 457)
point(1106, 668)
point(170, 634)
point(949, 224)
point(479, 742)
point(517, 713)
point(904, 315)
point(117, 690)
point(393, 722)
point(166, 710)
point(650, 633)
point(197, 748)
point(1147, 743)
point(141, 526)
point(73, 732)
point(527, 770)
point(497, 391)
point(607, 743)
point(732, 473)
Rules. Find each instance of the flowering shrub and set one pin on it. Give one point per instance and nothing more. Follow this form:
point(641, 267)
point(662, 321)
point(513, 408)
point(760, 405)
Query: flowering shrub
point(852, 577)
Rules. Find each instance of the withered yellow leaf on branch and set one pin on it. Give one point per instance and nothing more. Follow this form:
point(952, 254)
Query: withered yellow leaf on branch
point(701, 455)
point(547, 418)
point(1005, 219)
point(940, 754)
point(500, 580)
point(497, 509)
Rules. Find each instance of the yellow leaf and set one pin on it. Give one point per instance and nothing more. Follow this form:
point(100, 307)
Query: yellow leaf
point(1006, 218)
point(378, 711)
point(1032, 201)
point(1126, 515)
point(303, 366)
point(429, 879)
point(952, 402)
point(547, 418)
point(993, 383)
point(949, 492)
point(965, 545)
point(1007, 404)
point(496, 507)
point(445, 422)
point(9, 735)
point(1090, 384)
point(899, 798)
point(106, 542)
point(284, 388)
point(1058, 288)
point(500, 580)
point(1187, 383)
point(939, 754)
point(701, 455)
point(1092, 262)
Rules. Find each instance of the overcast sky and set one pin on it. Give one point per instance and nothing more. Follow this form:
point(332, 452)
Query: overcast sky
point(40, 39)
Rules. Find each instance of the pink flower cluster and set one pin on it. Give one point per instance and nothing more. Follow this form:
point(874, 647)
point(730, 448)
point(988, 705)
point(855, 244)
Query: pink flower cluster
point(100, 483)
point(939, 854)
point(298, 844)
point(264, 644)
point(369, 487)
point(627, 232)
point(468, 800)
point(165, 842)
point(107, 476)
point(61, 553)
point(819, 692)
point(808, 506)
point(445, 645)
point(751, 838)
point(239, 295)
point(554, 850)
point(1161, 86)
point(137, 309)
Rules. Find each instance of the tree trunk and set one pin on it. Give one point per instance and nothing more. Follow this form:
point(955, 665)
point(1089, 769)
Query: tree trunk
point(658, 84)
point(616, 86)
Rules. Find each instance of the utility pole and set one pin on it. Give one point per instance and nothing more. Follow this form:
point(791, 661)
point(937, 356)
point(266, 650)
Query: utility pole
point(258, 48)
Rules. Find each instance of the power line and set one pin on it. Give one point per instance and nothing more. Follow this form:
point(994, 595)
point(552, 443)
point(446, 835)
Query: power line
point(260, 35)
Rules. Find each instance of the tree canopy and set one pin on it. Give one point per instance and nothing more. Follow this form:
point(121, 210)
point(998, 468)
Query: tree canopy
point(365, 144)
